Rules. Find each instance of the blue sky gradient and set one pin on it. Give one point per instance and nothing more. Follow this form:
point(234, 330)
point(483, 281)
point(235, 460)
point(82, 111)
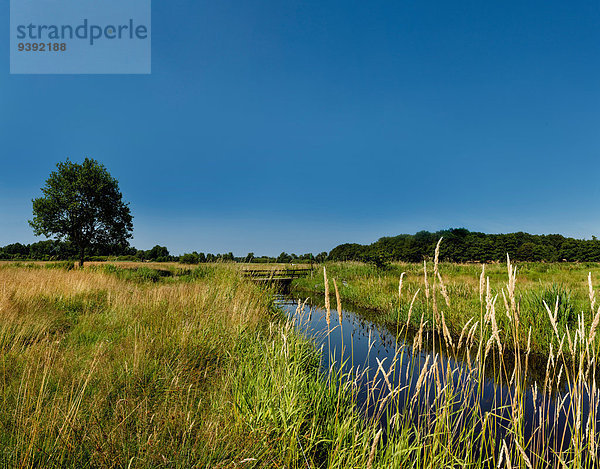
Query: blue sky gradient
point(272, 126)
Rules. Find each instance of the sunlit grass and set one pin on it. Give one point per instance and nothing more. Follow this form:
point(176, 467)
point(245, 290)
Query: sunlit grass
point(367, 286)
point(104, 368)
point(441, 412)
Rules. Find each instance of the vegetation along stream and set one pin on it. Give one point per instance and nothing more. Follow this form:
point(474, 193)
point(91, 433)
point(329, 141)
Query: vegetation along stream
point(489, 398)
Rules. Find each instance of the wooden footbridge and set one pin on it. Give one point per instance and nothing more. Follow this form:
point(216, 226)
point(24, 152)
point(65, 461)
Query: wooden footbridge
point(276, 275)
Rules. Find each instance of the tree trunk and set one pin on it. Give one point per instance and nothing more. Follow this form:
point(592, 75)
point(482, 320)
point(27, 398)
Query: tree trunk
point(81, 256)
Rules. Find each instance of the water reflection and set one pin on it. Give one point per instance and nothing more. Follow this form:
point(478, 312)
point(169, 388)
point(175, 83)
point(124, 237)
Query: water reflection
point(392, 378)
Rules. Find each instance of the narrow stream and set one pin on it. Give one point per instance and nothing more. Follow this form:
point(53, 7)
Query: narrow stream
point(370, 349)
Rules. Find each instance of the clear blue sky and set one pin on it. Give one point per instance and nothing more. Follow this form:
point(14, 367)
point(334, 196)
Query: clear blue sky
point(272, 126)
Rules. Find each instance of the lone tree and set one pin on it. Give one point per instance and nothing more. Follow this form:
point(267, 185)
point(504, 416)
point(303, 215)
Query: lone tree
point(82, 204)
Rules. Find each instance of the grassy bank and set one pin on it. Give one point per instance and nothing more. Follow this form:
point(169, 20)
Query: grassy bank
point(104, 368)
point(367, 286)
point(451, 410)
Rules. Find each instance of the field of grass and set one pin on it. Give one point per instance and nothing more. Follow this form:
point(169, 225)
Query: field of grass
point(105, 368)
point(367, 286)
point(113, 367)
point(477, 401)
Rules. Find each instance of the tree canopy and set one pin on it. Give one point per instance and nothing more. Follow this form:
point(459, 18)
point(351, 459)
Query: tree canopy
point(461, 245)
point(82, 205)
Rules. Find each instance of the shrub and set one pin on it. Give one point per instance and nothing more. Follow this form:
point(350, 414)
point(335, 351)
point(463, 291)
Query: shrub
point(189, 258)
point(63, 265)
point(566, 309)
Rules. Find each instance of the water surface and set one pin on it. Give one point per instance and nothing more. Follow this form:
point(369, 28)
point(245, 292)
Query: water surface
point(369, 350)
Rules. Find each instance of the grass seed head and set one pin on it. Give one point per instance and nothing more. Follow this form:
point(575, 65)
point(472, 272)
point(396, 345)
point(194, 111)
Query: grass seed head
point(400, 286)
point(338, 301)
point(327, 304)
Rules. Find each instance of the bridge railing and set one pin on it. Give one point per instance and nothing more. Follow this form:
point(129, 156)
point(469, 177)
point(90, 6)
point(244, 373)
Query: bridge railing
point(276, 274)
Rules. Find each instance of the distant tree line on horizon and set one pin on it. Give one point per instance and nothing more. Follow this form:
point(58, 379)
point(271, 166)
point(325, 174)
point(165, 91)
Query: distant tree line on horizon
point(283, 258)
point(462, 245)
point(459, 245)
point(52, 250)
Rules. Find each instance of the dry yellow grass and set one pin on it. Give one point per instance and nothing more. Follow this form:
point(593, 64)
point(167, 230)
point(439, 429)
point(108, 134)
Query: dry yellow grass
point(98, 370)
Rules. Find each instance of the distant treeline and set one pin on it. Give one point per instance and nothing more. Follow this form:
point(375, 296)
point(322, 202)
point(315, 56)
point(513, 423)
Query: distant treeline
point(461, 245)
point(56, 250)
point(284, 258)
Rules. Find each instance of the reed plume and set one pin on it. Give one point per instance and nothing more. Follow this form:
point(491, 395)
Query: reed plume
point(482, 283)
point(593, 327)
point(443, 290)
point(327, 304)
point(553, 317)
point(374, 449)
point(421, 378)
point(495, 331)
point(410, 308)
point(436, 256)
point(512, 281)
point(425, 279)
point(445, 330)
point(400, 286)
point(592, 294)
point(462, 333)
point(338, 301)
point(418, 341)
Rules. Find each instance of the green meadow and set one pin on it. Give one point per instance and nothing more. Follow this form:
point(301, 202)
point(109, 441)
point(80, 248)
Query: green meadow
point(140, 366)
point(377, 289)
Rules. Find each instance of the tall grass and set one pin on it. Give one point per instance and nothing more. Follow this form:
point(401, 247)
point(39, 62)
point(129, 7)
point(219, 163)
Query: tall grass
point(366, 286)
point(439, 409)
point(99, 369)
point(102, 371)
point(96, 371)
